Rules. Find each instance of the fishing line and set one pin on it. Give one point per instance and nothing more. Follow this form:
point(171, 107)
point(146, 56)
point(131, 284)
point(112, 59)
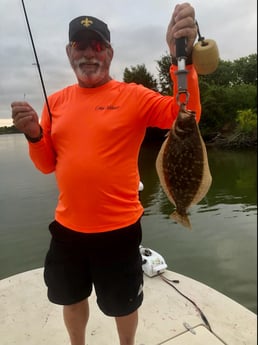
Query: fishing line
point(37, 60)
point(204, 318)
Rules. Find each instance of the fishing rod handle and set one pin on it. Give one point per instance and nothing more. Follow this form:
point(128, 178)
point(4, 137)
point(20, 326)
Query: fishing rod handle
point(181, 44)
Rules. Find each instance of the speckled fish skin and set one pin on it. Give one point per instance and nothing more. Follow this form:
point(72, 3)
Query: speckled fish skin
point(182, 166)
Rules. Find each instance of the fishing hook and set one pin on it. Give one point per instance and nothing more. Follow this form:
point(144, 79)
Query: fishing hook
point(37, 60)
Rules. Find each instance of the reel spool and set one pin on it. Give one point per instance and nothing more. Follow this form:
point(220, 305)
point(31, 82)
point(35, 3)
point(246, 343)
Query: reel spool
point(205, 55)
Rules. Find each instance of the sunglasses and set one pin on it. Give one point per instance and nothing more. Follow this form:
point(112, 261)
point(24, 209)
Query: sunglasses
point(96, 45)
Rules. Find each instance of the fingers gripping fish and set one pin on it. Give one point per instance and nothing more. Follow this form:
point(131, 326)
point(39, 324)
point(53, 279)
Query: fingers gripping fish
point(182, 166)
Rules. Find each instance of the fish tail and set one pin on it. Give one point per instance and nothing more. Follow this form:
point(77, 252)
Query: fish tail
point(182, 219)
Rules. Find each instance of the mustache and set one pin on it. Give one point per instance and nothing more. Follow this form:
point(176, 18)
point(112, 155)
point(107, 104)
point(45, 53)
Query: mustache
point(84, 60)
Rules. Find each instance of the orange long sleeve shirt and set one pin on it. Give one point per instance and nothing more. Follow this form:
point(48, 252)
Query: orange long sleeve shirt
point(92, 145)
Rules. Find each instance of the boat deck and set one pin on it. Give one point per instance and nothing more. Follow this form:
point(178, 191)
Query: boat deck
point(166, 317)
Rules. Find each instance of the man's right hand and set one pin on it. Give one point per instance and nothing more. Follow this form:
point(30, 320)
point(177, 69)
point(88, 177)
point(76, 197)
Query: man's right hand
point(25, 119)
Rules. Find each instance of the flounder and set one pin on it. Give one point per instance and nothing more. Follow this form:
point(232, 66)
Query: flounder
point(182, 166)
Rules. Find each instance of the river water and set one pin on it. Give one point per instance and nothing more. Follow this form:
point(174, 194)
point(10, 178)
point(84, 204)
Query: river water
point(220, 250)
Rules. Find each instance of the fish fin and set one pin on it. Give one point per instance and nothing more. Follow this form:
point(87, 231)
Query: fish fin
point(206, 180)
point(160, 172)
point(181, 219)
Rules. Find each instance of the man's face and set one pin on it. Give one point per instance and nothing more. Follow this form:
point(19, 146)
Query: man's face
point(90, 58)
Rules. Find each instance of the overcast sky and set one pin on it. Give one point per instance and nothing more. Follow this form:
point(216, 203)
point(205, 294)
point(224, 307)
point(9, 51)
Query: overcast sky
point(138, 29)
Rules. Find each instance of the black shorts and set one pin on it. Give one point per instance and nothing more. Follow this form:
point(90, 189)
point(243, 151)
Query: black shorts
point(111, 261)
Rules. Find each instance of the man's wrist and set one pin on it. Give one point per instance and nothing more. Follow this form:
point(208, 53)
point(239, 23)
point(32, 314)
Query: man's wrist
point(35, 139)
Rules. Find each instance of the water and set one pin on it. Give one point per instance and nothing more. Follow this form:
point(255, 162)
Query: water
point(219, 251)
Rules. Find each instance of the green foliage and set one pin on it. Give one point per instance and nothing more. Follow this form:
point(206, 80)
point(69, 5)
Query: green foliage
point(140, 75)
point(220, 105)
point(246, 70)
point(9, 130)
point(213, 101)
point(239, 72)
point(241, 97)
point(246, 131)
point(165, 82)
point(223, 76)
point(228, 95)
point(246, 121)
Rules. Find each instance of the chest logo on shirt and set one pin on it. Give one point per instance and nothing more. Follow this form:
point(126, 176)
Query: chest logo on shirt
point(107, 107)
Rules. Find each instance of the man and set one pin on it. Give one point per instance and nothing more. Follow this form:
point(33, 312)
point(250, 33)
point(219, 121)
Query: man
point(91, 141)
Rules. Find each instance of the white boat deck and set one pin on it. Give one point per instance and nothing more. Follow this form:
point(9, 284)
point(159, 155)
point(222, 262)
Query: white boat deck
point(166, 317)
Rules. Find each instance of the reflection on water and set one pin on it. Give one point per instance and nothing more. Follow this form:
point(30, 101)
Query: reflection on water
point(220, 250)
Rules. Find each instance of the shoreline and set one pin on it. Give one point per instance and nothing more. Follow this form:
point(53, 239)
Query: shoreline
point(155, 135)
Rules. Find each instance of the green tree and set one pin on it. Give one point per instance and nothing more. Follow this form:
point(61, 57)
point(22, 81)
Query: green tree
point(222, 76)
point(232, 87)
point(225, 92)
point(239, 72)
point(246, 121)
point(220, 106)
point(245, 134)
point(246, 70)
point(140, 75)
point(165, 82)
point(214, 116)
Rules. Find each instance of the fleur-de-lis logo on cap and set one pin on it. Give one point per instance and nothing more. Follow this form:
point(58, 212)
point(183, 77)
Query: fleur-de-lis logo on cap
point(86, 22)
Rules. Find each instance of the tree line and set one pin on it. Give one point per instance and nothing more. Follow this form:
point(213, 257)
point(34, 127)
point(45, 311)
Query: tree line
point(228, 98)
point(9, 130)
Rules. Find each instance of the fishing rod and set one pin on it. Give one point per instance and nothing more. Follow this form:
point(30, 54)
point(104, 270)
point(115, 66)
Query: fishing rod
point(37, 60)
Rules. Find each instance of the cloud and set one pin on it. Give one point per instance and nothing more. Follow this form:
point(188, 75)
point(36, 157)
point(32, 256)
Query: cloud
point(138, 31)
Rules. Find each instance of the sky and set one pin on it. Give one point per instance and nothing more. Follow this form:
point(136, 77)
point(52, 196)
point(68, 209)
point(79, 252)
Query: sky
point(138, 29)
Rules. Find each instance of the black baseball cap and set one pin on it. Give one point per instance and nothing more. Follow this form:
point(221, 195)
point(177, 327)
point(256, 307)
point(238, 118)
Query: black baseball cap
point(83, 24)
